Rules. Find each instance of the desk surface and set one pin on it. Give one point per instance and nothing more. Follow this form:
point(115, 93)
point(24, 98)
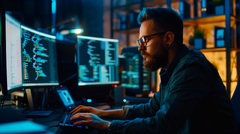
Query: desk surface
point(52, 121)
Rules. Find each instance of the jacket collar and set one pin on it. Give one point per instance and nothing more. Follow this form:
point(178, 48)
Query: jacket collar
point(166, 73)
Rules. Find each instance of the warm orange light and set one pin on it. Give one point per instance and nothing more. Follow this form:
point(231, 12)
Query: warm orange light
point(204, 9)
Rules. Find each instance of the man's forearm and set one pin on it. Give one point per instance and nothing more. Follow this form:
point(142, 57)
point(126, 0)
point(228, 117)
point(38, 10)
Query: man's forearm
point(116, 114)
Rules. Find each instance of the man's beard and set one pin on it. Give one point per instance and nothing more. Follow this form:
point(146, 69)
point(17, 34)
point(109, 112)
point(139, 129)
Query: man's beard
point(155, 62)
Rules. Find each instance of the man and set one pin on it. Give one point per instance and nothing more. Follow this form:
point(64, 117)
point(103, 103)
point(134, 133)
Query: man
point(192, 97)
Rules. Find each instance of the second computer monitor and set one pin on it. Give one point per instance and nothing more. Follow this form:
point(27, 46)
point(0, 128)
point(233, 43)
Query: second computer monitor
point(97, 61)
point(135, 78)
point(39, 58)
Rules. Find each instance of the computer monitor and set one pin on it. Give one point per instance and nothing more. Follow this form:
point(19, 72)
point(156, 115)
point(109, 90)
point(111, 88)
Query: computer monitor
point(11, 65)
point(39, 58)
point(28, 58)
point(135, 78)
point(39, 65)
point(97, 61)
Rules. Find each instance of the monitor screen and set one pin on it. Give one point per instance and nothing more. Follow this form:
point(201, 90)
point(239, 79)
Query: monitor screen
point(13, 53)
point(97, 61)
point(11, 75)
point(135, 78)
point(65, 97)
point(39, 59)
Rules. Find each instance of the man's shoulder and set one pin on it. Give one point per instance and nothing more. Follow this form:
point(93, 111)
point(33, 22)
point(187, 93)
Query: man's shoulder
point(193, 56)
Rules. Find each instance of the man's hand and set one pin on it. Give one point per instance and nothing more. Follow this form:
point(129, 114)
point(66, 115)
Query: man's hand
point(114, 113)
point(90, 120)
point(87, 109)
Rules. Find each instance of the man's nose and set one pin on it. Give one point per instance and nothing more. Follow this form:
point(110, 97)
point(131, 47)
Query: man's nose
point(141, 47)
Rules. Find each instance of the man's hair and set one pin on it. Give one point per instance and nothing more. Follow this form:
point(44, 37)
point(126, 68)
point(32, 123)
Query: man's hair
point(166, 19)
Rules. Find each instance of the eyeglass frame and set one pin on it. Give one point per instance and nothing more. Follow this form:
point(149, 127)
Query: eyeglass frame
point(140, 41)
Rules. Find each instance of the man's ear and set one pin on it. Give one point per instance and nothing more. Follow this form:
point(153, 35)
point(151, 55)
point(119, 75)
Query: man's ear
point(169, 38)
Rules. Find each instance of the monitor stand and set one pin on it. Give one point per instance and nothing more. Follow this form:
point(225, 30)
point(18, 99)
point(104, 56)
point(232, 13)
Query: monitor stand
point(15, 95)
point(32, 112)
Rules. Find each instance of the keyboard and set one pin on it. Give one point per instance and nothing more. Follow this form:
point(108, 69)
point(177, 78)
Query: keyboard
point(66, 122)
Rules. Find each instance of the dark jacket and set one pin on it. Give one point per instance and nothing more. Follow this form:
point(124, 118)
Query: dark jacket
point(192, 100)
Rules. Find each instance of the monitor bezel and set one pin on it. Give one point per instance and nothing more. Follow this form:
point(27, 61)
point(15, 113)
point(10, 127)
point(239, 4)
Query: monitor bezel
point(3, 73)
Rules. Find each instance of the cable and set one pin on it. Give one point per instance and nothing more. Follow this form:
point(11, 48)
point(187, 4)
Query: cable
point(3, 99)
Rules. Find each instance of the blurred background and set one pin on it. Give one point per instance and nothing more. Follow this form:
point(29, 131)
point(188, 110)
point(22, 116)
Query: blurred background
point(116, 19)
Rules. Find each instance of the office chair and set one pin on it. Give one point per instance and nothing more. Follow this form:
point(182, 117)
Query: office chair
point(236, 104)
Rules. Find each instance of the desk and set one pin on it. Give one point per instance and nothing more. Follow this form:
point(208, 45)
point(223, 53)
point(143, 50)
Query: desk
point(51, 122)
point(71, 131)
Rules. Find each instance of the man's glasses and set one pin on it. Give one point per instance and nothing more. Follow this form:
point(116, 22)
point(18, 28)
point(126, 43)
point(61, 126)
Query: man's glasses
point(143, 40)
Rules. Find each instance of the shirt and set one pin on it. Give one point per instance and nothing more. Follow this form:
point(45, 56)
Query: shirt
point(191, 100)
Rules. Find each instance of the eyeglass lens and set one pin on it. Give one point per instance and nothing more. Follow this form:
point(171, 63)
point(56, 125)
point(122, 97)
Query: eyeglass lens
point(142, 41)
